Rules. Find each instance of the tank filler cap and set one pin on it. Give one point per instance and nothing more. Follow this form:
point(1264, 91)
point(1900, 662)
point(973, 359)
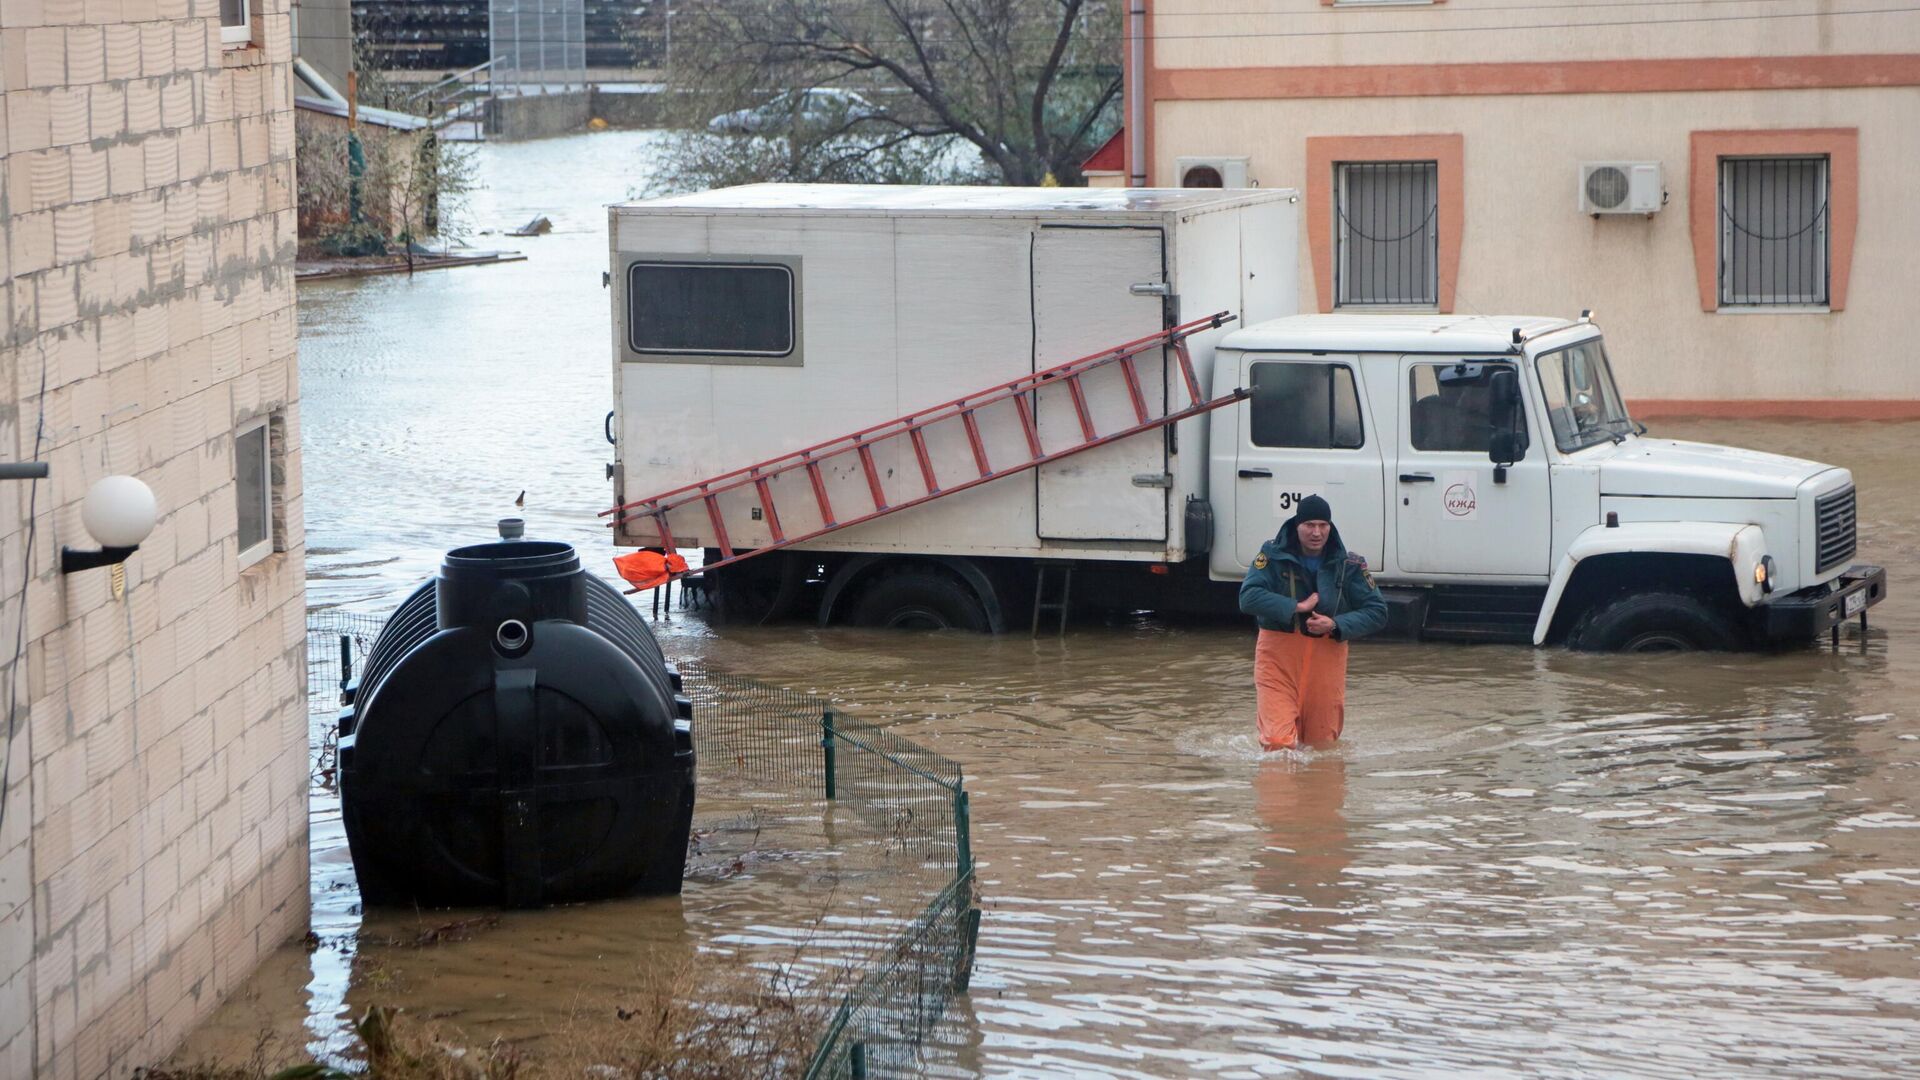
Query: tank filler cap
point(512, 528)
point(511, 636)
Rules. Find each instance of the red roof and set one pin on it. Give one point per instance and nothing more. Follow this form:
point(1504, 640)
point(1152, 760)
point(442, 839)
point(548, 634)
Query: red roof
point(1110, 157)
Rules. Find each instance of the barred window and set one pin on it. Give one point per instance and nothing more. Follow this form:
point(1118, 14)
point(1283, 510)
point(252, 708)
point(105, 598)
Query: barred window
point(1773, 231)
point(1387, 233)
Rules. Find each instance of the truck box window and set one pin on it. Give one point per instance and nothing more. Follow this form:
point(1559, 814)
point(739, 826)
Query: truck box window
point(1305, 406)
point(710, 309)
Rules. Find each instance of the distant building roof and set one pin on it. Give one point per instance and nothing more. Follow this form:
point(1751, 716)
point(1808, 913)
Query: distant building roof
point(1111, 157)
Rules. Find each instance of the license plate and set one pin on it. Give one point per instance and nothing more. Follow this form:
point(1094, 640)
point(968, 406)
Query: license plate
point(1855, 604)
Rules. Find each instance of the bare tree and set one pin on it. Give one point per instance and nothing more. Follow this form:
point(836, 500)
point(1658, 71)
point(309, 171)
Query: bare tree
point(1031, 85)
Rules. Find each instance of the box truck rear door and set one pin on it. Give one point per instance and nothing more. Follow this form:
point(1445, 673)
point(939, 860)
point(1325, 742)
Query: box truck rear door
point(1083, 301)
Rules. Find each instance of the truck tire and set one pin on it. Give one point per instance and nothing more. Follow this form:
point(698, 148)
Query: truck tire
point(756, 592)
point(1653, 622)
point(919, 600)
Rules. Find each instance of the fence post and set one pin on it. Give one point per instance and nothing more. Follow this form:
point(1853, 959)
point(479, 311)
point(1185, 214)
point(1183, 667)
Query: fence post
point(826, 746)
point(963, 830)
point(346, 663)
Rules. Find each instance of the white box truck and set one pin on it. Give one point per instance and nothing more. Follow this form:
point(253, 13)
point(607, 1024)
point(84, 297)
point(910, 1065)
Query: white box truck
point(767, 338)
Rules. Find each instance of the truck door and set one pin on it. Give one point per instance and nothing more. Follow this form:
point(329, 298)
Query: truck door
point(1451, 518)
point(1083, 301)
point(1305, 432)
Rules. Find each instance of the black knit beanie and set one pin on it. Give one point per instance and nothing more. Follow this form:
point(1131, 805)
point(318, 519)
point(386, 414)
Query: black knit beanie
point(1313, 508)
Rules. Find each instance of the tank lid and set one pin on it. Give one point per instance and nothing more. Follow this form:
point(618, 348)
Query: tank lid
point(514, 556)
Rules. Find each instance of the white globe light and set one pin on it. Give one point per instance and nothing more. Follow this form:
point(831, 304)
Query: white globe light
point(118, 511)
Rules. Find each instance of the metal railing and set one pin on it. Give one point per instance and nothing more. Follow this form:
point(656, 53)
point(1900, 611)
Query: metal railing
point(906, 802)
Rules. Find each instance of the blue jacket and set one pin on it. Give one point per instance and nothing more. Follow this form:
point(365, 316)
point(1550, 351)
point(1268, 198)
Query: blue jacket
point(1278, 580)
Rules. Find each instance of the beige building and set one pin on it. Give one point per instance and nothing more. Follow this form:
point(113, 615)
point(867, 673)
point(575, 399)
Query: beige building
point(1728, 183)
point(154, 839)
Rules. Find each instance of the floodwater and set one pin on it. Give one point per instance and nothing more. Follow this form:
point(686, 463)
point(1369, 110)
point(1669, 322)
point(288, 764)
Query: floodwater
point(1518, 862)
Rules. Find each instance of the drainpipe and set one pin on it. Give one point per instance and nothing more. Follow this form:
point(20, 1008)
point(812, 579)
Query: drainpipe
point(1137, 92)
point(318, 80)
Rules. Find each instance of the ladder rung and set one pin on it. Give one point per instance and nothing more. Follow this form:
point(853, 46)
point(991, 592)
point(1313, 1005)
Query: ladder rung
point(919, 437)
point(1080, 408)
point(719, 528)
point(766, 507)
point(1133, 388)
point(1186, 372)
point(973, 439)
point(873, 477)
point(820, 492)
point(666, 534)
point(1026, 425)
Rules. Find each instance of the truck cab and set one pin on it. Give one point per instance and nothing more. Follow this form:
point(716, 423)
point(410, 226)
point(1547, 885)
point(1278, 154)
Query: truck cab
point(1489, 472)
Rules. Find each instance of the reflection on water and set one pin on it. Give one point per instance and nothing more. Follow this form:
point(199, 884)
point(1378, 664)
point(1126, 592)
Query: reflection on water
point(1518, 862)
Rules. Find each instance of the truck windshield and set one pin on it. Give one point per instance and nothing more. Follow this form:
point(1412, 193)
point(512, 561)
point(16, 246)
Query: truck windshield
point(1582, 403)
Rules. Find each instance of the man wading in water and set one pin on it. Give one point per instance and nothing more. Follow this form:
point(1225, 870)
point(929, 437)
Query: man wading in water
point(1310, 598)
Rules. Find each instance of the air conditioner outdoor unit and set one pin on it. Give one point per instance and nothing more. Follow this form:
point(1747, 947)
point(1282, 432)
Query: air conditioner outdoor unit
point(1621, 187)
point(1226, 172)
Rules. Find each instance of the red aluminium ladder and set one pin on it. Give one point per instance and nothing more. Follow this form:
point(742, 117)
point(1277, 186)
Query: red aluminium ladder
point(1021, 394)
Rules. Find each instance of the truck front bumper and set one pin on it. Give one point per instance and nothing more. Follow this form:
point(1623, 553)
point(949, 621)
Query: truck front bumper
point(1799, 616)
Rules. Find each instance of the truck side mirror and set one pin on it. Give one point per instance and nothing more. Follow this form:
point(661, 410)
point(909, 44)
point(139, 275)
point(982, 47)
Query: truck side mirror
point(1506, 447)
point(1507, 441)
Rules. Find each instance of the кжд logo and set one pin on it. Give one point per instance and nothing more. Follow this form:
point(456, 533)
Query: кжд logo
point(1459, 500)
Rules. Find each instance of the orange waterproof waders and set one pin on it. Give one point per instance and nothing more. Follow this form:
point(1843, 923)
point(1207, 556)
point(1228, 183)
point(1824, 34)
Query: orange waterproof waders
point(1300, 682)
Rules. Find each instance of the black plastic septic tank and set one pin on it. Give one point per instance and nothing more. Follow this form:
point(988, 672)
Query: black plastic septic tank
point(516, 738)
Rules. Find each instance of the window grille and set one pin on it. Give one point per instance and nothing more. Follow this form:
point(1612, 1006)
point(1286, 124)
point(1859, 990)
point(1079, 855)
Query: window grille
point(1388, 233)
point(1773, 231)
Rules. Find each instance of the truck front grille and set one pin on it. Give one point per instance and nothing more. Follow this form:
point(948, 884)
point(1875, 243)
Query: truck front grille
point(1834, 530)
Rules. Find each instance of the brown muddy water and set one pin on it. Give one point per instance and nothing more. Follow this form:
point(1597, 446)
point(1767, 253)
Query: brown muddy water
point(1518, 863)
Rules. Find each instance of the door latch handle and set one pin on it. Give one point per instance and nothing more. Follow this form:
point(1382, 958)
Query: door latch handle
point(1152, 480)
point(1416, 478)
point(1249, 474)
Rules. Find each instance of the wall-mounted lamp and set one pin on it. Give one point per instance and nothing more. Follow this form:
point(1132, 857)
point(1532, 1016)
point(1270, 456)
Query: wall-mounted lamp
point(118, 512)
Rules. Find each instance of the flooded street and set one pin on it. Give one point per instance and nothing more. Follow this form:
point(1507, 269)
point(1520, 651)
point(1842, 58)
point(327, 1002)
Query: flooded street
point(1518, 862)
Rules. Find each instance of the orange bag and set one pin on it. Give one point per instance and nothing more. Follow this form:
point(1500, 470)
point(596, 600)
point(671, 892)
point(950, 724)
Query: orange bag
point(649, 569)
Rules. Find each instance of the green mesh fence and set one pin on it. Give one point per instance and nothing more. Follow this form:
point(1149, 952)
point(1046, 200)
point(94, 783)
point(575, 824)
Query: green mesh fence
point(900, 814)
point(337, 641)
point(908, 802)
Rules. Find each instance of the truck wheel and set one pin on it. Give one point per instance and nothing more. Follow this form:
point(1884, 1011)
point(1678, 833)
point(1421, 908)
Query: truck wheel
point(919, 600)
point(1653, 622)
point(756, 592)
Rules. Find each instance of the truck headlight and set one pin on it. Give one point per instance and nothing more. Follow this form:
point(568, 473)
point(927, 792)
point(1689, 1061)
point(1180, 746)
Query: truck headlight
point(1763, 573)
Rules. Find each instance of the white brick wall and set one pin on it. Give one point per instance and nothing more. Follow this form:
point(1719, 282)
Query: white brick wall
point(154, 840)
